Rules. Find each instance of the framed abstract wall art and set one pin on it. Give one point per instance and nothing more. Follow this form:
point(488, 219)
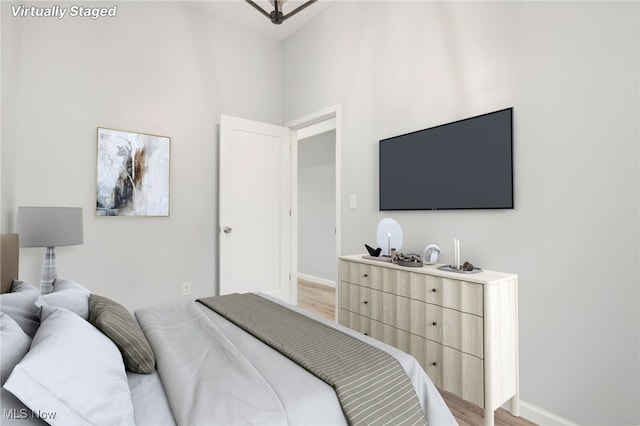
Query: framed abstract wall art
point(133, 174)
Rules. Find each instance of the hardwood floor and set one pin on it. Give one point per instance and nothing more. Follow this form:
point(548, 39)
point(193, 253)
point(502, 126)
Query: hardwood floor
point(320, 299)
point(317, 298)
point(468, 414)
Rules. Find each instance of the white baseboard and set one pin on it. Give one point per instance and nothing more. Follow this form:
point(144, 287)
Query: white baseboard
point(540, 416)
point(317, 280)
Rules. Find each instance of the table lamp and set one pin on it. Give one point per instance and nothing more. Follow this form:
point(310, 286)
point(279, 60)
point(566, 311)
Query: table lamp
point(49, 227)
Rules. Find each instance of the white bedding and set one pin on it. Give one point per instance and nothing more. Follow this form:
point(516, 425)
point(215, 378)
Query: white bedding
point(209, 381)
point(215, 373)
point(150, 404)
point(208, 372)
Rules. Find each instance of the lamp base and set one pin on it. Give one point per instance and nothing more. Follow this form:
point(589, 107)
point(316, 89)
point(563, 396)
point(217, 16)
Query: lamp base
point(49, 271)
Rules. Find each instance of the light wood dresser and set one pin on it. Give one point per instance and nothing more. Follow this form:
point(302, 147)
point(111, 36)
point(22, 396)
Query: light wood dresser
point(462, 328)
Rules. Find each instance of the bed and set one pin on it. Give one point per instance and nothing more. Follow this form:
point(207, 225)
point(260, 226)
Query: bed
point(72, 357)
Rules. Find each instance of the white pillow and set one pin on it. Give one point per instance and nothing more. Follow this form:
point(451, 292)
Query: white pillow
point(69, 295)
point(20, 305)
point(15, 413)
point(73, 371)
point(15, 344)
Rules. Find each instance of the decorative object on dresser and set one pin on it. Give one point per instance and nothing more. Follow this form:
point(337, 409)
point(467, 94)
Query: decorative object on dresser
point(462, 329)
point(431, 254)
point(465, 268)
point(458, 266)
point(456, 253)
point(411, 260)
point(389, 235)
point(49, 227)
point(373, 252)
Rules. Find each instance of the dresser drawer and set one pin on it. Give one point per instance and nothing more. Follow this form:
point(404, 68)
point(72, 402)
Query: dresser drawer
point(462, 296)
point(383, 307)
point(449, 327)
point(462, 331)
point(448, 368)
point(355, 273)
point(459, 295)
point(354, 321)
point(411, 315)
point(344, 317)
point(414, 345)
point(456, 372)
point(411, 285)
point(382, 278)
point(383, 332)
point(365, 325)
point(376, 277)
point(355, 298)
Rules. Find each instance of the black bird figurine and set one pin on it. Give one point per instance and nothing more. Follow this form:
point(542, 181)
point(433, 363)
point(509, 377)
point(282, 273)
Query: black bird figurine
point(373, 252)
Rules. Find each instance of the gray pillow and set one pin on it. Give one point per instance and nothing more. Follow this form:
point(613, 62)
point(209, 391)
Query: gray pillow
point(20, 305)
point(118, 324)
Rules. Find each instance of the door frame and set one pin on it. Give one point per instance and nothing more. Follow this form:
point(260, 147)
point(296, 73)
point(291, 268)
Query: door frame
point(329, 113)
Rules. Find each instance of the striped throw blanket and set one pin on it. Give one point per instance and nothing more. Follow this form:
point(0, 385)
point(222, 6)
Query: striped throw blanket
point(371, 385)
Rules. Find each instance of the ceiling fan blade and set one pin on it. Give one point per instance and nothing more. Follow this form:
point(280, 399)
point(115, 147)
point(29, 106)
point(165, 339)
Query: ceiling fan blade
point(258, 8)
point(298, 9)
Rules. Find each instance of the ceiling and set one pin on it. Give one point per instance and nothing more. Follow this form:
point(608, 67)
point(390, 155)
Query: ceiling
point(241, 13)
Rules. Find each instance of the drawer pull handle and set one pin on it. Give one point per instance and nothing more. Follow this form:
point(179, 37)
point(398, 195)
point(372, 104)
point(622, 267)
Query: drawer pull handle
point(433, 290)
point(365, 275)
point(366, 334)
point(435, 364)
point(434, 323)
point(365, 302)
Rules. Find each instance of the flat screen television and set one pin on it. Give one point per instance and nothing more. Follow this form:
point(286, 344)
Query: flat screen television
point(467, 164)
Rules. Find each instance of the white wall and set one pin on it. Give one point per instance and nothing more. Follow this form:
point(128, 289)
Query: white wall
point(157, 67)
point(317, 206)
point(571, 72)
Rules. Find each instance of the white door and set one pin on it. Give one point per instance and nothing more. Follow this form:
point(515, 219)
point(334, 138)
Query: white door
point(254, 208)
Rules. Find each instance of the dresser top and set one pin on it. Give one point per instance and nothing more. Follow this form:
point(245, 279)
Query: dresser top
point(483, 277)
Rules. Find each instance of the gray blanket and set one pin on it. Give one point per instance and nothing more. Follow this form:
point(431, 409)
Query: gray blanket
point(370, 384)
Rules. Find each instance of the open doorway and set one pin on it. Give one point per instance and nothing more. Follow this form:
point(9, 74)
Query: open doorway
point(317, 266)
point(316, 212)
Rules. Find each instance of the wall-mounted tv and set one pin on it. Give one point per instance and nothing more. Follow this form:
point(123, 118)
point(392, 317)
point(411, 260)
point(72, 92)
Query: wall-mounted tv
point(467, 164)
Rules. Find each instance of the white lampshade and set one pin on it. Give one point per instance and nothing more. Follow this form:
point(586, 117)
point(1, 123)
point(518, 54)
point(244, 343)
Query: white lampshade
point(49, 226)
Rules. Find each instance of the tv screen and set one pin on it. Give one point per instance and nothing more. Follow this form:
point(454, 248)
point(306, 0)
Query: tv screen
point(467, 164)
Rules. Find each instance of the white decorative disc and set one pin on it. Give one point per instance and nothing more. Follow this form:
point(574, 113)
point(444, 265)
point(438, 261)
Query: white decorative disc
point(389, 235)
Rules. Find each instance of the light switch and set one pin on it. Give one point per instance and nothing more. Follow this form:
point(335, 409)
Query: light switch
point(353, 201)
